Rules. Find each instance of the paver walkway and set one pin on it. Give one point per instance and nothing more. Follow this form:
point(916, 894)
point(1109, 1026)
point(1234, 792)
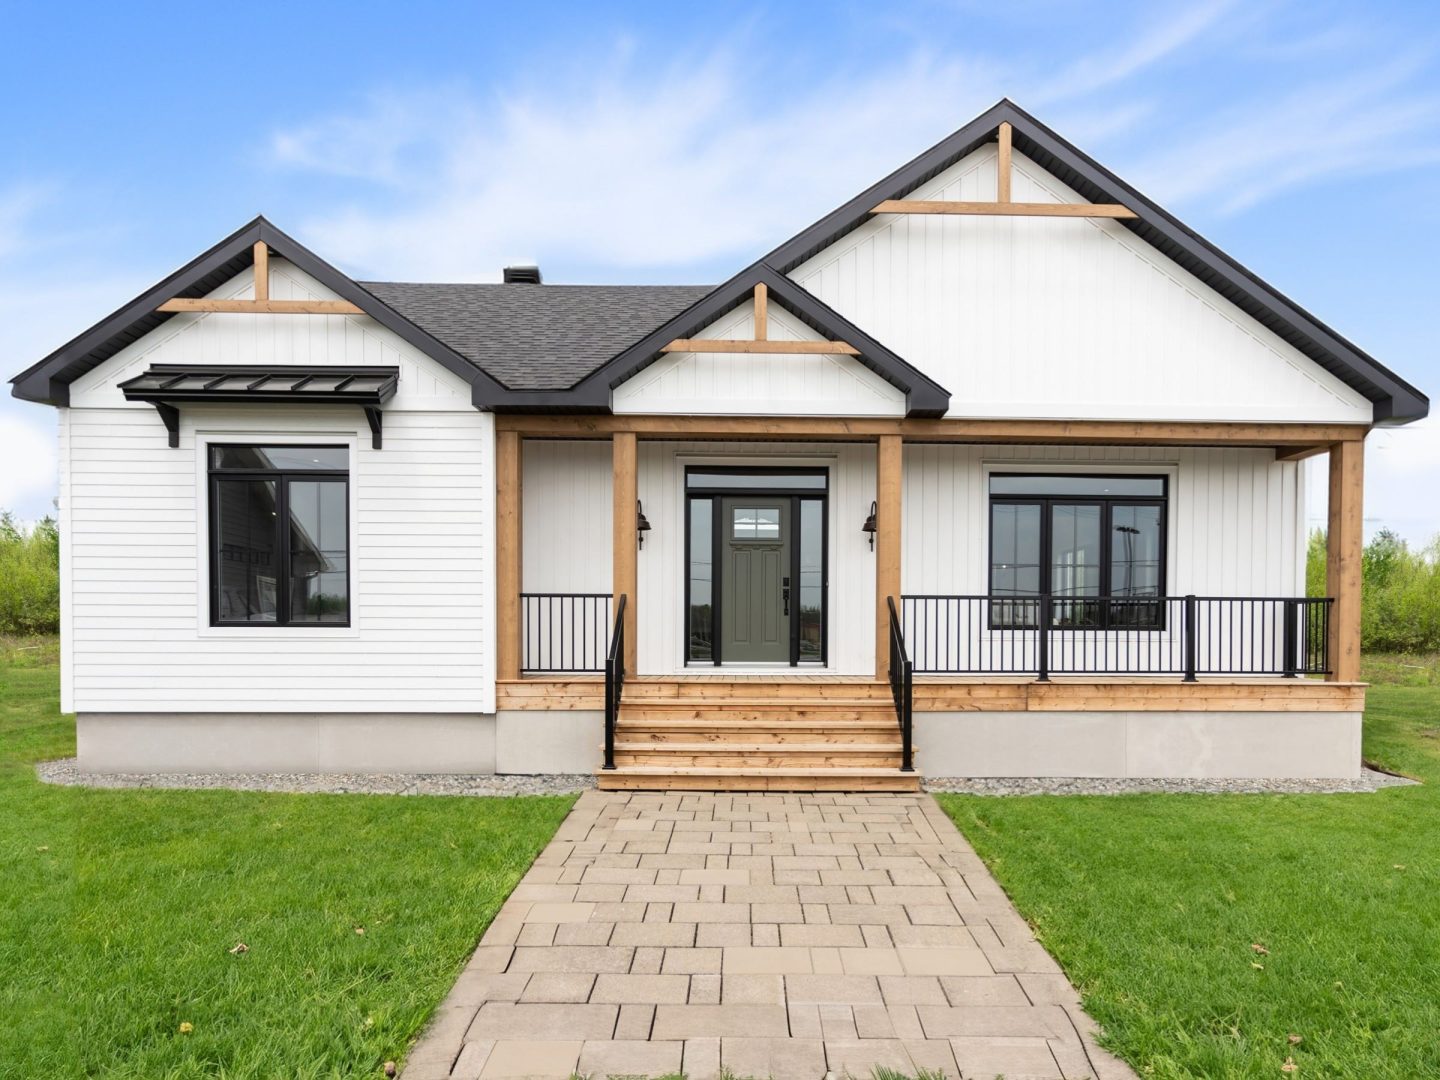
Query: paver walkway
point(768, 935)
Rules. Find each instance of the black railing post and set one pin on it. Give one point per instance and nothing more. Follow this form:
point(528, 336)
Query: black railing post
point(1289, 639)
point(614, 680)
point(902, 689)
point(1042, 640)
point(1190, 643)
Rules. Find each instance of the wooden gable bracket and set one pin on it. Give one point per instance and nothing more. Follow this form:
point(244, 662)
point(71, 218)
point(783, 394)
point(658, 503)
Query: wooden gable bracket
point(1003, 206)
point(262, 304)
point(761, 342)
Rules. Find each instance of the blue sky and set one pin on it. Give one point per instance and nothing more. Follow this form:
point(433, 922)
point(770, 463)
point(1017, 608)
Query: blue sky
point(672, 142)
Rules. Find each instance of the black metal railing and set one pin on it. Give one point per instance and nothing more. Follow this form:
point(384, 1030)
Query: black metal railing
point(902, 688)
point(1117, 635)
point(614, 680)
point(564, 631)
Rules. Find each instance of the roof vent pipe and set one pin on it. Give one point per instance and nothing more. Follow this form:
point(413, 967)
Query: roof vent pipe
point(522, 275)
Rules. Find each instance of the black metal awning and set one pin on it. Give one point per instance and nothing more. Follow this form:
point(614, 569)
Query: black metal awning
point(168, 385)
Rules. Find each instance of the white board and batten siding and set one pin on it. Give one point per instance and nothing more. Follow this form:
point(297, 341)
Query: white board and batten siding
point(1029, 317)
point(567, 535)
point(758, 384)
point(136, 562)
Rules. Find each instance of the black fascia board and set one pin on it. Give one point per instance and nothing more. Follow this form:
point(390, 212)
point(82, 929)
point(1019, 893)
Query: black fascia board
point(48, 381)
point(1394, 399)
point(924, 396)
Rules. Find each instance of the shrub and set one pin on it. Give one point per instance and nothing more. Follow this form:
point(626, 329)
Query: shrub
point(1401, 592)
point(29, 577)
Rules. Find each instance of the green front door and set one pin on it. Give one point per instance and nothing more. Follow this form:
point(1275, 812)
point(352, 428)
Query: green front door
point(755, 608)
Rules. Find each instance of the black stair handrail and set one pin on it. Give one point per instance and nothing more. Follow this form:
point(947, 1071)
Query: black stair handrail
point(614, 679)
point(902, 689)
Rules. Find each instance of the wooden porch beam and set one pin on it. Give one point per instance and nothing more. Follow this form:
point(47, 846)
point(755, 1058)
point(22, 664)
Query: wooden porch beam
point(625, 569)
point(866, 429)
point(741, 345)
point(1300, 453)
point(1344, 546)
point(762, 311)
point(263, 307)
point(889, 464)
point(508, 547)
point(1004, 209)
point(1002, 164)
point(262, 270)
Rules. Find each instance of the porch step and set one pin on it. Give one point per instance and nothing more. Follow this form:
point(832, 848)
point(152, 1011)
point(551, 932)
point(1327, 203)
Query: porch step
point(764, 711)
point(771, 755)
point(747, 778)
point(754, 689)
point(689, 730)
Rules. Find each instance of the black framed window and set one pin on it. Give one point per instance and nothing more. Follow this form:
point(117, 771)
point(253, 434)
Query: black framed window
point(279, 535)
point(1096, 544)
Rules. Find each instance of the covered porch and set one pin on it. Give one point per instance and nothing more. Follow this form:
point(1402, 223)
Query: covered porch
point(897, 630)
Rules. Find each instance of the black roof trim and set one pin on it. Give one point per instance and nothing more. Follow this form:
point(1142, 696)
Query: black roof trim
point(924, 396)
point(250, 383)
point(1396, 401)
point(49, 380)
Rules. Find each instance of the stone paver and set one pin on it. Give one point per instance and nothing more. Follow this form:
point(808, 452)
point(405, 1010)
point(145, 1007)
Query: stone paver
point(763, 935)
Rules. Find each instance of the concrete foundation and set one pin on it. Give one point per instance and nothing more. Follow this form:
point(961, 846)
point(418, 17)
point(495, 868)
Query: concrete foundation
point(286, 742)
point(533, 741)
point(1209, 745)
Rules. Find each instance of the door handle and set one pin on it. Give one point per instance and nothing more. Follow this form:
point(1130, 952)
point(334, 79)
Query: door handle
point(785, 593)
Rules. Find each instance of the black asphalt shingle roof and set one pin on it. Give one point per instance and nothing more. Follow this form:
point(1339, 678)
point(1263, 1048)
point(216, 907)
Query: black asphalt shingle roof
point(537, 337)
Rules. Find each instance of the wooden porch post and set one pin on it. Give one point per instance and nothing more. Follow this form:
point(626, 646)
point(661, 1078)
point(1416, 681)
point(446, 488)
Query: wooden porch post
point(508, 540)
point(625, 570)
point(1344, 543)
point(888, 465)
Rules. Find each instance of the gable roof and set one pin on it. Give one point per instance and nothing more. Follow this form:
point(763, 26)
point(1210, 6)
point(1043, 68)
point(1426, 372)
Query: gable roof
point(49, 380)
point(564, 348)
point(924, 396)
point(1395, 400)
point(537, 337)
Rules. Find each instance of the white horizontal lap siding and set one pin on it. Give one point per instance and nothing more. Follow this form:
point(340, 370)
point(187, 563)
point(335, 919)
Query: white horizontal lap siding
point(421, 532)
point(662, 563)
point(1068, 318)
point(755, 384)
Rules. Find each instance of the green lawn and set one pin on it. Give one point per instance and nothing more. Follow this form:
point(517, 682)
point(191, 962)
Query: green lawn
point(1153, 903)
point(118, 911)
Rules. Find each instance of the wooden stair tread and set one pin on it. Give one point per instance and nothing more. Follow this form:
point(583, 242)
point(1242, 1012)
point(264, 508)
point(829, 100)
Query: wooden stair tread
point(762, 748)
point(756, 770)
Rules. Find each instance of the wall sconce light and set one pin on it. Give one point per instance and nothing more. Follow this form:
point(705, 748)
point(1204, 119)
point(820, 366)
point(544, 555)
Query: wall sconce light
point(869, 526)
point(642, 525)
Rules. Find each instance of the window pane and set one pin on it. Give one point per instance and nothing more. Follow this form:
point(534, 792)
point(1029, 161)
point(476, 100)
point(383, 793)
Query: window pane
point(1135, 551)
point(812, 579)
point(1015, 549)
point(319, 588)
point(1080, 486)
point(701, 481)
point(292, 458)
point(767, 522)
point(247, 549)
point(1075, 563)
point(702, 580)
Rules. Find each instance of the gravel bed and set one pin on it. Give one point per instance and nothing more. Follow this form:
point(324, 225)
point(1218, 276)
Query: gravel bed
point(68, 773)
point(1370, 780)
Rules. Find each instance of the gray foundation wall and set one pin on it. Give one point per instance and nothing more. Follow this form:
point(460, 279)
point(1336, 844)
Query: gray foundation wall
point(1139, 744)
point(512, 741)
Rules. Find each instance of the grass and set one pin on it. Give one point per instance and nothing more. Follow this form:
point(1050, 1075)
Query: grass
point(118, 911)
point(1154, 905)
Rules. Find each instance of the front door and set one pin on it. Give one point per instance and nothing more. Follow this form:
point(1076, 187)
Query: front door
point(756, 587)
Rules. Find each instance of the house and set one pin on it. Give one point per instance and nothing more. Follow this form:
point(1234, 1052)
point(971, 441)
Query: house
point(993, 470)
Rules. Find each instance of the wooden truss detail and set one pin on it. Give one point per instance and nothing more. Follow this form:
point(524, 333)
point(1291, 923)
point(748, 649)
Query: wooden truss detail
point(262, 304)
point(761, 343)
point(1003, 206)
